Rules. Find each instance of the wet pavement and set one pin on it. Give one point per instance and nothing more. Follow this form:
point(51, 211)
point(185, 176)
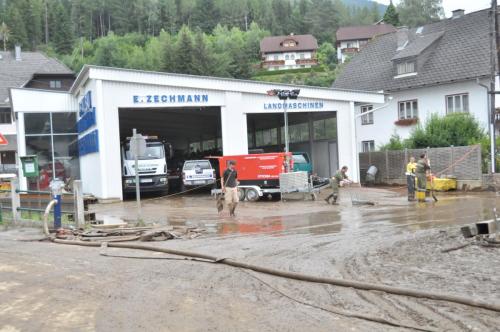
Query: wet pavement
point(390, 212)
point(53, 287)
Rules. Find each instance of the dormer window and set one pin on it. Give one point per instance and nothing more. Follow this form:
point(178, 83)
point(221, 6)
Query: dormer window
point(289, 43)
point(406, 67)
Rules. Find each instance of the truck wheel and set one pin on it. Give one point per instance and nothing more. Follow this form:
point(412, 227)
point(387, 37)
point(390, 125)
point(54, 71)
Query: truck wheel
point(252, 195)
point(241, 194)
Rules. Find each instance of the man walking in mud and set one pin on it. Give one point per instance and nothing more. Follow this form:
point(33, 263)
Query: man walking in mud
point(338, 180)
point(230, 187)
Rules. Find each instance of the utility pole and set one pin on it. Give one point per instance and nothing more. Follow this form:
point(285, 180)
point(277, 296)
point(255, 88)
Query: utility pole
point(497, 53)
point(493, 67)
point(284, 95)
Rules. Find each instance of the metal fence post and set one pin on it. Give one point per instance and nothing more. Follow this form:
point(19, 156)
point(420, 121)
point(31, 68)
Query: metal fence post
point(452, 156)
point(15, 200)
point(79, 207)
point(387, 165)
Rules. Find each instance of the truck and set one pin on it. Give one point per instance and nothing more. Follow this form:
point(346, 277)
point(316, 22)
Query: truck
point(258, 174)
point(152, 166)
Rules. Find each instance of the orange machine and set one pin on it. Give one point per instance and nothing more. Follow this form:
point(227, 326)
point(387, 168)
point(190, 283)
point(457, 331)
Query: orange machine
point(259, 169)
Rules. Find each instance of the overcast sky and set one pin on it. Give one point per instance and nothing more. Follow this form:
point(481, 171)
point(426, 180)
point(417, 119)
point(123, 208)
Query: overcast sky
point(449, 5)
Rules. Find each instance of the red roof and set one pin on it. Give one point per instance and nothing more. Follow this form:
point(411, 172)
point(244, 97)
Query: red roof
point(363, 32)
point(274, 44)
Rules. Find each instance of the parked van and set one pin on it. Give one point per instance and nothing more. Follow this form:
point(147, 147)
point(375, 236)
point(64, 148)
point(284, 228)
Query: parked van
point(196, 173)
point(302, 162)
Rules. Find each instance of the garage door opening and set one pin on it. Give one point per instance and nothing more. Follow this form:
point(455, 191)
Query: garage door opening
point(314, 133)
point(192, 133)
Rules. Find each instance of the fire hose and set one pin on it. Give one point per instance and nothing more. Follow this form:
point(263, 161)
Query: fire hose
point(280, 273)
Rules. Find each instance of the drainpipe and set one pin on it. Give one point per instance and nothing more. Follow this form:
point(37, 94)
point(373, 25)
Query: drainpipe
point(490, 124)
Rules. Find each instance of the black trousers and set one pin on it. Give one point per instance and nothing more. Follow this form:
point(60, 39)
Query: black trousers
point(410, 181)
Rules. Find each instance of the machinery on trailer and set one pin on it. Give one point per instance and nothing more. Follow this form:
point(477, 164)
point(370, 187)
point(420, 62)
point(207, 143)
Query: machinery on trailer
point(258, 174)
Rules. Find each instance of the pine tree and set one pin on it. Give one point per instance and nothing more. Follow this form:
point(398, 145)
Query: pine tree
point(391, 16)
point(17, 27)
point(183, 52)
point(4, 35)
point(62, 34)
point(201, 57)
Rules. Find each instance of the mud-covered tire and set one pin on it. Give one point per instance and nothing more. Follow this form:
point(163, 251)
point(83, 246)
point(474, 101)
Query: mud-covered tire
point(241, 194)
point(252, 195)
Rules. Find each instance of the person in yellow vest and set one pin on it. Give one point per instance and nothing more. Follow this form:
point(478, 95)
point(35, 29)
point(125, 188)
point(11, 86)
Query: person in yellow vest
point(410, 178)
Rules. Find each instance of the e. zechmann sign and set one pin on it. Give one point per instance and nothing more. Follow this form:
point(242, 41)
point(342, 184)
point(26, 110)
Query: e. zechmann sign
point(170, 99)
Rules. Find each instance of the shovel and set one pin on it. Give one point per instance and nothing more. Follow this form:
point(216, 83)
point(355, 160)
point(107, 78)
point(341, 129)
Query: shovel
point(432, 190)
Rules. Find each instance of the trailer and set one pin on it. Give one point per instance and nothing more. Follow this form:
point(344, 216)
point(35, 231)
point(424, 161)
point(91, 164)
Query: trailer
point(258, 174)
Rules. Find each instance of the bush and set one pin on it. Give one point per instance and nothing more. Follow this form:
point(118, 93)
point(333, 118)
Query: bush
point(395, 143)
point(458, 129)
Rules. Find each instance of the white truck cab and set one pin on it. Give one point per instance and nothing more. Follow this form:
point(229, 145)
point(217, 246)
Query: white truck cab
point(152, 167)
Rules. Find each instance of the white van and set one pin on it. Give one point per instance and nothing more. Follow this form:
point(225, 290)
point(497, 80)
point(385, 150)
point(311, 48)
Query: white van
point(197, 173)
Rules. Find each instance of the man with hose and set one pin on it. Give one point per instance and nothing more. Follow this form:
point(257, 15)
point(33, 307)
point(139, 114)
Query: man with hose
point(421, 173)
point(338, 180)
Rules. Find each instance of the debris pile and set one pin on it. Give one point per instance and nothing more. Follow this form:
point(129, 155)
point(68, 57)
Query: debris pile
point(123, 234)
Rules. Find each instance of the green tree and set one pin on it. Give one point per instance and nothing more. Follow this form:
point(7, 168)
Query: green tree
point(202, 57)
point(183, 52)
point(17, 27)
point(391, 16)
point(415, 13)
point(62, 37)
point(327, 55)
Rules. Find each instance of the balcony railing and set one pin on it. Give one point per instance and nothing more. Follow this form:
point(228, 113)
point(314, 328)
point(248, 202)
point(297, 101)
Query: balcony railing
point(272, 63)
point(350, 50)
point(306, 61)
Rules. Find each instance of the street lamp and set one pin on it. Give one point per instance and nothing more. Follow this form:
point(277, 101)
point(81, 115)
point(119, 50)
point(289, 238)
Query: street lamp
point(284, 95)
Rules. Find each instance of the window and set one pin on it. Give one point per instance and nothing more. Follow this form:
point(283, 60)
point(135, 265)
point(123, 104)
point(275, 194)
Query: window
point(296, 133)
point(266, 137)
point(368, 118)
point(287, 57)
point(351, 45)
point(292, 57)
point(55, 84)
point(408, 109)
point(325, 128)
point(5, 116)
point(406, 67)
point(53, 138)
point(457, 103)
point(368, 146)
point(276, 57)
point(363, 43)
point(302, 56)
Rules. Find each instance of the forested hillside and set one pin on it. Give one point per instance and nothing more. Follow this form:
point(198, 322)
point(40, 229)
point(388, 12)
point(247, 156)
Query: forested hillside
point(209, 37)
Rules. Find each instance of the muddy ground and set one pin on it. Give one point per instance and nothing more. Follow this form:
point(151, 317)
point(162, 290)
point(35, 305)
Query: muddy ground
point(50, 287)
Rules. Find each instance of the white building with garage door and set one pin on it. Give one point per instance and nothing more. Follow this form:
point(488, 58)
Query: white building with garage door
point(195, 114)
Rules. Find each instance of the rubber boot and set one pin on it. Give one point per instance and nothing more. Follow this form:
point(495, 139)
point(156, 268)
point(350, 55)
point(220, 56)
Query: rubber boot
point(232, 209)
point(328, 199)
point(334, 200)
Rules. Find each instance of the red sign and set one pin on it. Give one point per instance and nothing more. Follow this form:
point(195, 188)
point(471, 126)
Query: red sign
point(3, 140)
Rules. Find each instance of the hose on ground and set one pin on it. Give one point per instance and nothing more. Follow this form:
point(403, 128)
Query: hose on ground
point(299, 276)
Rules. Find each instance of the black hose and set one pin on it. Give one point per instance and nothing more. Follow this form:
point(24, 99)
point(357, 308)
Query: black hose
point(298, 276)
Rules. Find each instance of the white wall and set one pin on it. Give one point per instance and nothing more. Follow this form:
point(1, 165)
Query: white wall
point(430, 100)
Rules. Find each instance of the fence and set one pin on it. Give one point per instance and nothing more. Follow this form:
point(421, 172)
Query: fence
point(462, 162)
point(28, 205)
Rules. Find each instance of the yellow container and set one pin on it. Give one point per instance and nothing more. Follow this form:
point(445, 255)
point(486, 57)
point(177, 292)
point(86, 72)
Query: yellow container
point(442, 184)
point(420, 195)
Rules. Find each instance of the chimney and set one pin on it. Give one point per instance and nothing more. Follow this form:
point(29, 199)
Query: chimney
point(457, 13)
point(18, 52)
point(402, 37)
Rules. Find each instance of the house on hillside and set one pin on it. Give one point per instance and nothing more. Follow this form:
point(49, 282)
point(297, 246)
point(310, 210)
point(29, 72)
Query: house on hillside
point(288, 52)
point(350, 40)
point(33, 70)
point(436, 68)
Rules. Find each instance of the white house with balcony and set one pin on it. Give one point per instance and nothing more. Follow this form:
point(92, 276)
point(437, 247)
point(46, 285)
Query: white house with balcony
point(288, 52)
point(437, 68)
point(350, 40)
